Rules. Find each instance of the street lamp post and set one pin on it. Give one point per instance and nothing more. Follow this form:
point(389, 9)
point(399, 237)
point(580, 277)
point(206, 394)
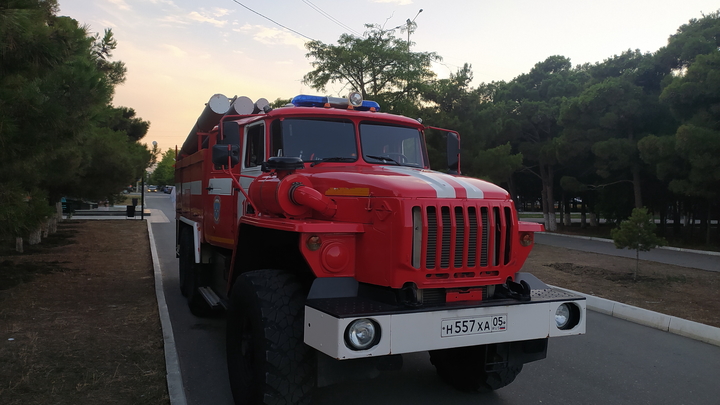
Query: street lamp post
point(142, 193)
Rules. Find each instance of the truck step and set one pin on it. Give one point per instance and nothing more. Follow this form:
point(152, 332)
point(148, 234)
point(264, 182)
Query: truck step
point(209, 295)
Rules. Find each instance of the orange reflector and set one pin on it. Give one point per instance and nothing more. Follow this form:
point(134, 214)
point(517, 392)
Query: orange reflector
point(313, 243)
point(526, 239)
point(351, 192)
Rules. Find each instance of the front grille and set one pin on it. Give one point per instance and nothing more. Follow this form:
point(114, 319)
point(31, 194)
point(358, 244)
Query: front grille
point(466, 237)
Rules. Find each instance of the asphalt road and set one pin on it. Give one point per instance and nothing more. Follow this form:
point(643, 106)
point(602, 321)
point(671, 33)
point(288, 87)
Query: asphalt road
point(616, 362)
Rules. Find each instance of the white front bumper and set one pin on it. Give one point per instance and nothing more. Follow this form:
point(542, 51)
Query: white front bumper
point(407, 332)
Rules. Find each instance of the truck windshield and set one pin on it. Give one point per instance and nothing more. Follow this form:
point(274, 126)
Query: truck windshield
point(314, 139)
point(388, 144)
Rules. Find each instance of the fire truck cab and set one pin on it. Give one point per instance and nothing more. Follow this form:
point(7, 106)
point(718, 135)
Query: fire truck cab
point(321, 230)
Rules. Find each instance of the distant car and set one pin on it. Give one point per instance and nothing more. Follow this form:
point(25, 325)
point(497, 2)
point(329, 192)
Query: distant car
point(169, 189)
point(152, 189)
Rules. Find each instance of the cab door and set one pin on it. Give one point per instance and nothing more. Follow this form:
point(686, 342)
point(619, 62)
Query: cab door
point(253, 151)
point(221, 201)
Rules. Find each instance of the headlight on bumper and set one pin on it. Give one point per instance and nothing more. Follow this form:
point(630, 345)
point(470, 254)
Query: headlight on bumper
point(567, 316)
point(362, 334)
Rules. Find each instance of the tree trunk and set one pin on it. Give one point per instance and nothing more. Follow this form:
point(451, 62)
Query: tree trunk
point(19, 245)
point(636, 186)
point(593, 219)
point(35, 236)
point(676, 218)
point(512, 189)
point(547, 176)
point(663, 220)
point(45, 228)
point(58, 209)
point(637, 263)
point(52, 223)
point(567, 221)
point(707, 221)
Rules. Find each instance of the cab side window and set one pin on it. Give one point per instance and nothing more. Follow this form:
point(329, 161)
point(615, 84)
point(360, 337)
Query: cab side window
point(254, 146)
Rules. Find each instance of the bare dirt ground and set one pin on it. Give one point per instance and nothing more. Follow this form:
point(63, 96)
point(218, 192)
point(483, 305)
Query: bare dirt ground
point(79, 321)
point(78, 318)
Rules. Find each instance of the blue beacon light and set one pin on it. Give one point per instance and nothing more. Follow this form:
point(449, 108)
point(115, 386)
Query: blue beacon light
point(320, 101)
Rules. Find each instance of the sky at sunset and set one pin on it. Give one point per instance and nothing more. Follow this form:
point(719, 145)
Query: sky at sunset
point(178, 53)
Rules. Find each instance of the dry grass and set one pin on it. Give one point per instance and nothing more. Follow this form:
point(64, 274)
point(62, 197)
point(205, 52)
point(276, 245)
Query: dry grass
point(84, 326)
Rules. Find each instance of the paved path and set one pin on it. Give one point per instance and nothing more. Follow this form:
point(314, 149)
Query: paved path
point(694, 259)
point(616, 362)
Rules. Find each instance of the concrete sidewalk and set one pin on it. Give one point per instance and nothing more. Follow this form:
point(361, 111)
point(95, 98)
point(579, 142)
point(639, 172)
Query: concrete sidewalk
point(151, 215)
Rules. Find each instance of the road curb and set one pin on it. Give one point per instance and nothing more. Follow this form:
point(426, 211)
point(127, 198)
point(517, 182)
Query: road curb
point(683, 327)
point(701, 252)
point(176, 391)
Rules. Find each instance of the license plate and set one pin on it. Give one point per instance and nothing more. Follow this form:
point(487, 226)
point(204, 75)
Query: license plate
point(473, 326)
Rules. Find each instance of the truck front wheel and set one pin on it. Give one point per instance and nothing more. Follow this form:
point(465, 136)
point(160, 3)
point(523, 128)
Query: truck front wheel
point(474, 368)
point(268, 361)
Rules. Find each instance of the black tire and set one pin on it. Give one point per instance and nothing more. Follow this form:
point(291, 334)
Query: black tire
point(465, 368)
point(191, 277)
point(268, 361)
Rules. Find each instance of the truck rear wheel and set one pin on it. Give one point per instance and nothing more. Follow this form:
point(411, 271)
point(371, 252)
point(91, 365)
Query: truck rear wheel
point(268, 361)
point(474, 368)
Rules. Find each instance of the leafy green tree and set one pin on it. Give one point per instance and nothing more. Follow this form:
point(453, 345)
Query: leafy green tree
point(607, 116)
point(164, 173)
point(280, 102)
point(637, 233)
point(694, 98)
point(379, 65)
point(697, 37)
point(531, 106)
point(56, 85)
point(496, 164)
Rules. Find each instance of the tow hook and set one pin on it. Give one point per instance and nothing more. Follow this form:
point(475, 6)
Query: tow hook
point(519, 291)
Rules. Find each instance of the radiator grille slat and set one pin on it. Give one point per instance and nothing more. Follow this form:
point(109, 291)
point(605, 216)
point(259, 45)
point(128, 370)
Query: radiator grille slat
point(459, 236)
point(431, 246)
point(446, 234)
point(484, 237)
point(473, 237)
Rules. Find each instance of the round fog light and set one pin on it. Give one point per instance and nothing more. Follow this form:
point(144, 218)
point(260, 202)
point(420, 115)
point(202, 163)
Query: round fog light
point(362, 334)
point(567, 316)
point(562, 316)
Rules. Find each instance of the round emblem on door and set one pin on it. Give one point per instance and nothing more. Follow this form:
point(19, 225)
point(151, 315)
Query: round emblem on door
point(216, 210)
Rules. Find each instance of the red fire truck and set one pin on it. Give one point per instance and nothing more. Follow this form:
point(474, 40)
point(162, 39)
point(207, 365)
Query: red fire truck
point(333, 248)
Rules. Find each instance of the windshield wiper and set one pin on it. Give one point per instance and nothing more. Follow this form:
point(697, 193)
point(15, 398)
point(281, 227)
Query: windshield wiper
point(385, 159)
point(332, 159)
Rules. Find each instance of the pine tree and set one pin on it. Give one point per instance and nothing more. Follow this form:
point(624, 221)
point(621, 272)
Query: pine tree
point(638, 233)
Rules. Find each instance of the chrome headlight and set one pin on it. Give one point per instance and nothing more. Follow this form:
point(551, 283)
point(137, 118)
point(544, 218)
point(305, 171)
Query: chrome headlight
point(567, 316)
point(362, 334)
point(562, 316)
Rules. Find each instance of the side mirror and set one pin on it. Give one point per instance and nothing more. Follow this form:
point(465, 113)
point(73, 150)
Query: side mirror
point(221, 153)
point(230, 133)
point(453, 153)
